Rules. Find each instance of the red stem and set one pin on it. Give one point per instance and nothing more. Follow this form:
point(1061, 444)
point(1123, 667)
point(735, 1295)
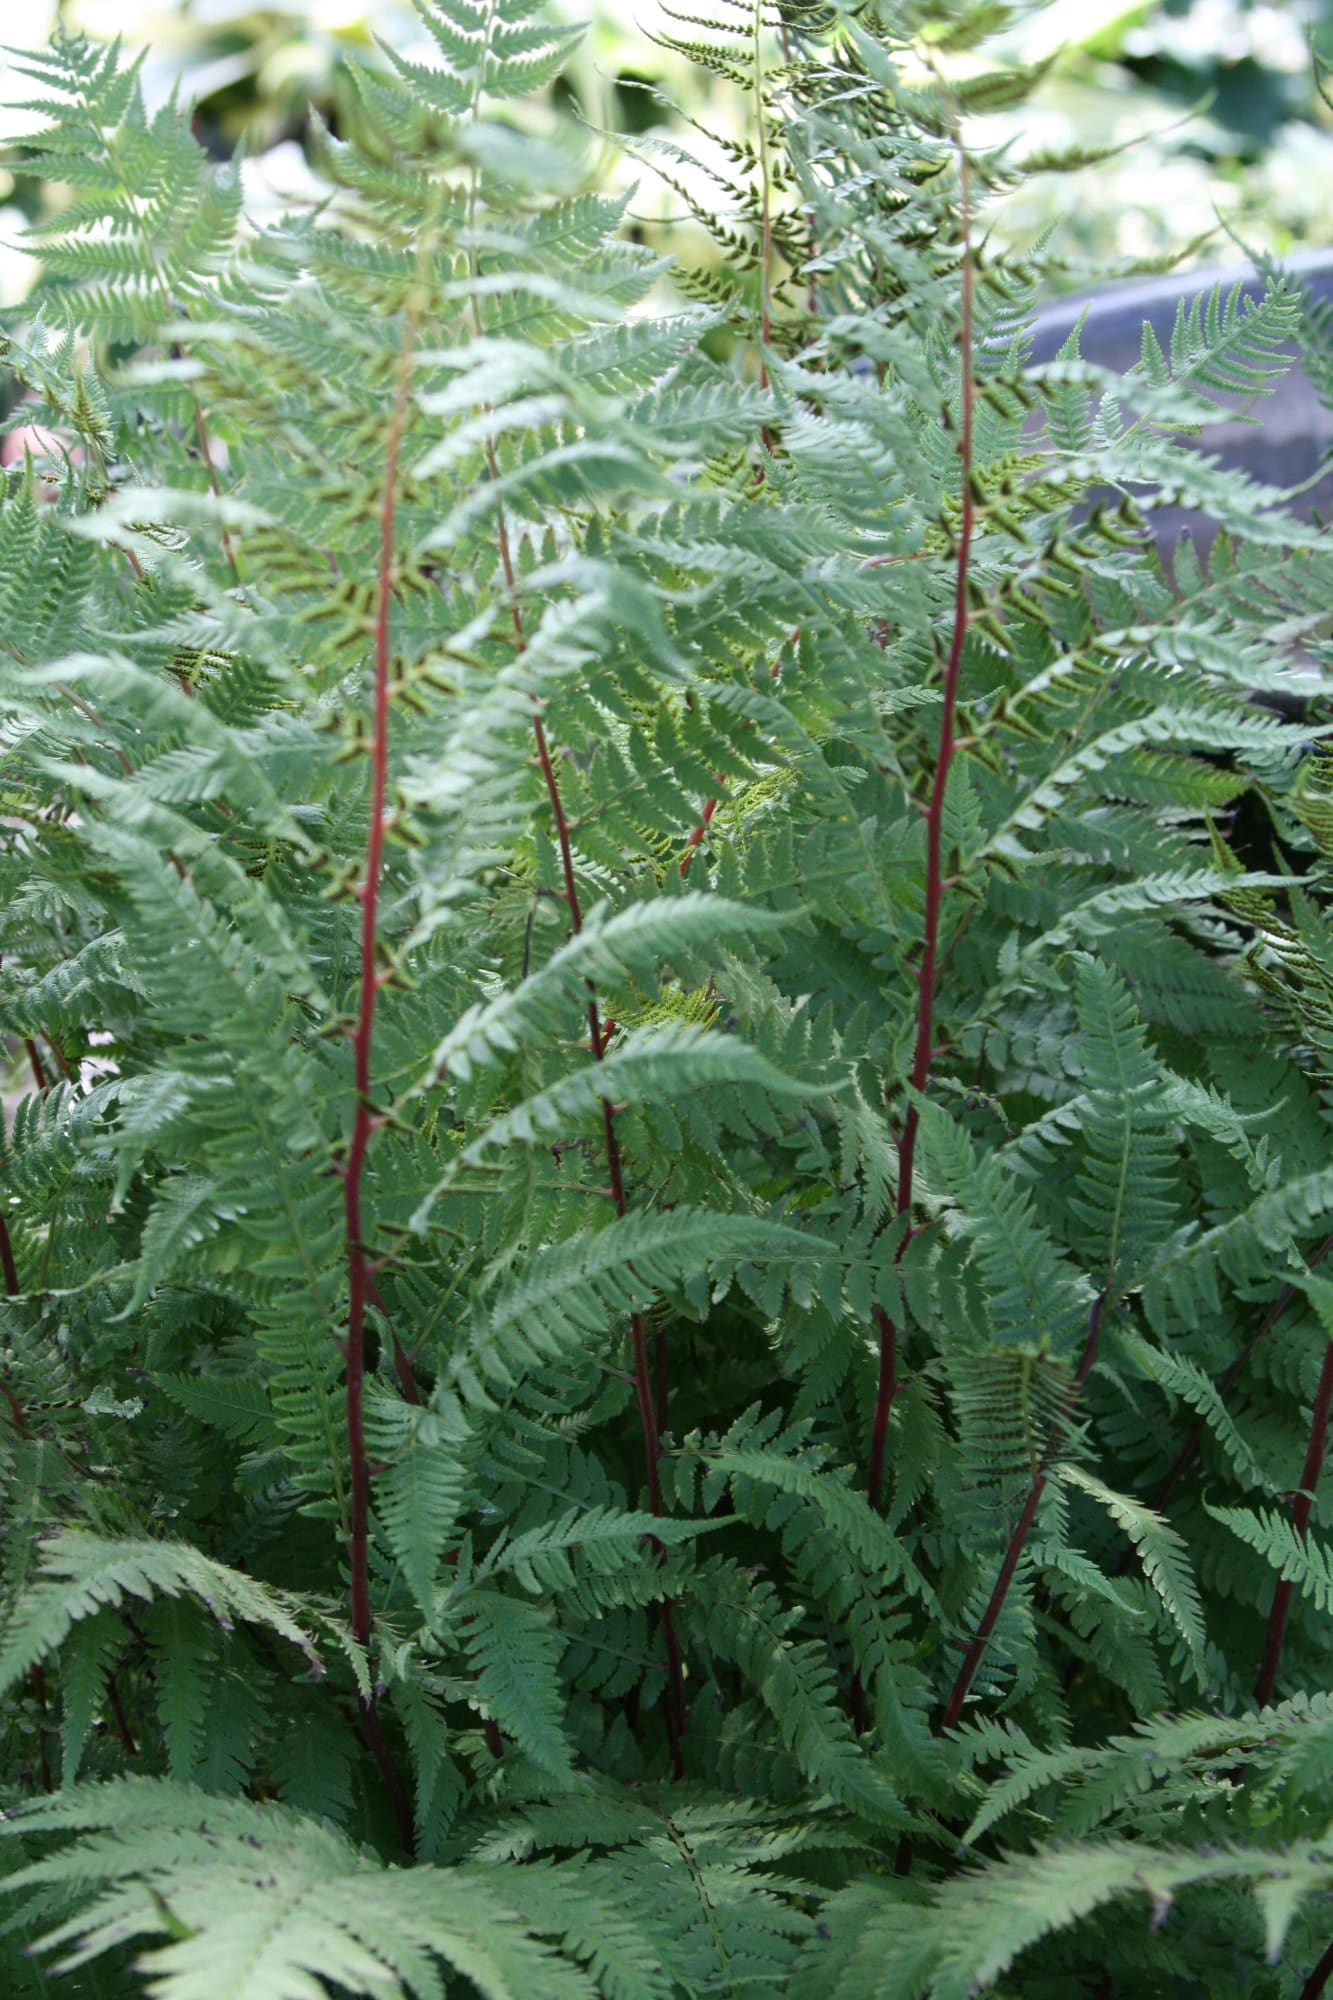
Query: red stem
point(953, 1708)
point(926, 975)
point(1300, 1521)
point(691, 846)
point(389, 1772)
point(1319, 1978)
point(8, 1268)
point(360, 1280)
point(37, 1681)
point(597, 1039)
point(11, 1278)
point(407, 1381)
point(885, 1393)
point(402, 1360)
point(119, 1720)
point(766, 246)
point(981, 1637)
point(663, 1387)
point(710, 806)
point(57, 1055)
point(16, 1413)
point(18, 1418)
point(7, 1264)
point(9, 1271)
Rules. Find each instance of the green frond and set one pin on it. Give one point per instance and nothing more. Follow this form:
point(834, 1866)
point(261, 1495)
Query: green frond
point(1162, 1553)
point(81, 1574)
point(1035, 1299)
point(979, 1924)
point(324, 1913)
point(1307, 1564)
point(421, 1493)
point(572, 1293)
point(744, 1623)
point(539, 1111)
point(515, 1649)
point(1231, 347)
point(1182, 1378)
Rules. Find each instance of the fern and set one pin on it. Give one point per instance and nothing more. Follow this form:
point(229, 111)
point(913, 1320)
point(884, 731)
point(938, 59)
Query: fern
point(80, 1573)
point(1306, 1564)
point(668, 1146)
point(1162, 1554)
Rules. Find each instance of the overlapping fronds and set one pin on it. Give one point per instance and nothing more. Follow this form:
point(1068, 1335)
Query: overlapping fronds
point(668, 1144)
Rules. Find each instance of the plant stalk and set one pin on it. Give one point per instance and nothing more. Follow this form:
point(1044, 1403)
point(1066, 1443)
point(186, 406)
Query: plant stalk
point(360, 1280)
point(9, 1272)
point(1301, 1508)
point(1319, 1978)
point(8, 1267)
point(766, 201)
point(119, 1719)
point(927, 974)
point(358, 1275)
point(19, 1422)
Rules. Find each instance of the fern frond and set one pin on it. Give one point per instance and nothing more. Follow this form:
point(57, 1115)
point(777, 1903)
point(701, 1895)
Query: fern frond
point(81, 1573)
point(1307, 1564)
point(1162, 1553)
point(324, 1912)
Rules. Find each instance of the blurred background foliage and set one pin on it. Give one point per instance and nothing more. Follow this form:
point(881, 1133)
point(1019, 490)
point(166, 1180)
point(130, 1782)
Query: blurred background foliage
point(1215, 104)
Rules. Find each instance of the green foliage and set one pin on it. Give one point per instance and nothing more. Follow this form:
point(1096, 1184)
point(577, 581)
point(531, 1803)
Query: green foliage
point(659, 1240)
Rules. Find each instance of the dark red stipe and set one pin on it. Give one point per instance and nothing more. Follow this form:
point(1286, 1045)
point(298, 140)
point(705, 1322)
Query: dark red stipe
point(8, 1268)
point(1300, 1521)
point(927, 973)
point(16, 1416)
point(692, 845)
point(9, 1271)
point(1319, 1978)
point(119, 1719)
point(360, 1282)
point(7, 1264)
point(19, 1421)
point(37, 1682)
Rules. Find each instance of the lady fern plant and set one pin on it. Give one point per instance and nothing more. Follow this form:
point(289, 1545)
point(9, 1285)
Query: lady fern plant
point(663, 1328)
